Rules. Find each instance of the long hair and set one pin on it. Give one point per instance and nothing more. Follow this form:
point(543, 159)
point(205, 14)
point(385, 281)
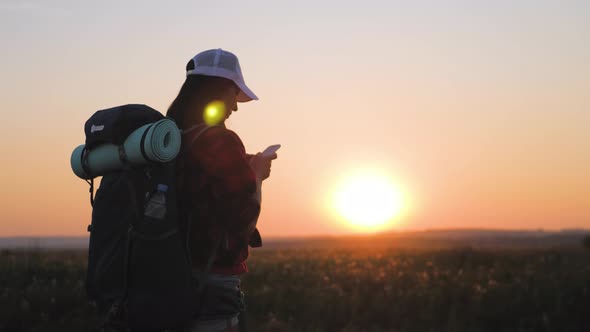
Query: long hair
point(196, 92)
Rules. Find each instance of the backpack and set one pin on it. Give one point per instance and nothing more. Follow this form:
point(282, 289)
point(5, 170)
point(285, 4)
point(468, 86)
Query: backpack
point(139, 270)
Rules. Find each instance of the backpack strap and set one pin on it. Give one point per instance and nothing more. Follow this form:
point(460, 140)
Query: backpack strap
point(201, 129)
point(201, 277)
point(142, 143)
point(91, 190)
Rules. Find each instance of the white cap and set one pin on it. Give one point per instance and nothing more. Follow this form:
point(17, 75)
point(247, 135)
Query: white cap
point(224, 64)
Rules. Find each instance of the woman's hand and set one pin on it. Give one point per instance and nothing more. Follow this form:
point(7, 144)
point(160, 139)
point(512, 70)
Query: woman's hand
point(261, 165)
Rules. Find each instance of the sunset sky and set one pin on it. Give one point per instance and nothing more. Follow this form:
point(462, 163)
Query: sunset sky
point(477, 112)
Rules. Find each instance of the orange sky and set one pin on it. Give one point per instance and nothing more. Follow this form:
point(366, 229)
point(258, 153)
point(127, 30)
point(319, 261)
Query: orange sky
point(480, 114)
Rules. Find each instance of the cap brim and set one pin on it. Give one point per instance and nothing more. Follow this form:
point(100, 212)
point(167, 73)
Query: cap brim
point(245, 93)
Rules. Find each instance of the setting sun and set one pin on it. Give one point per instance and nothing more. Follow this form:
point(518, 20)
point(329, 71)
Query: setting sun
point(368, 201)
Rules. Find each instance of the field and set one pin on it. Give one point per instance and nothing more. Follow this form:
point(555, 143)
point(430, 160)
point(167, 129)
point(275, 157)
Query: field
point(323, 289)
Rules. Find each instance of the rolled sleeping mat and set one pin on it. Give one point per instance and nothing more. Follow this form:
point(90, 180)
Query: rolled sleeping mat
point(155, 142)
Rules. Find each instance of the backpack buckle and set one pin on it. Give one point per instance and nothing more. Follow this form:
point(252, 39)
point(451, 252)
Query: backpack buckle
point(122, 154)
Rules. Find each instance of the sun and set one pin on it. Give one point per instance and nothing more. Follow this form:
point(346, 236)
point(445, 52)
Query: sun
point(368, 200)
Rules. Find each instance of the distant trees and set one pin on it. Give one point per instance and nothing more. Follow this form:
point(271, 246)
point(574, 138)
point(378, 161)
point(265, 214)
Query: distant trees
point(586, 241)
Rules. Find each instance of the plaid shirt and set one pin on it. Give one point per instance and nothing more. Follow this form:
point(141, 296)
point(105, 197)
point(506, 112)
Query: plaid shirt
point(221, 188)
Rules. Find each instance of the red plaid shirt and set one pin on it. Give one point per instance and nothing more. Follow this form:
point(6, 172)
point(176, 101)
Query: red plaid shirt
point(220, 185)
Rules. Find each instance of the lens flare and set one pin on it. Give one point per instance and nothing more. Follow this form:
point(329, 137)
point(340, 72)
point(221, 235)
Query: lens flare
point(214, 113)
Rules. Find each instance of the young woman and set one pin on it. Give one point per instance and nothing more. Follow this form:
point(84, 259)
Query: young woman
point(219, 185)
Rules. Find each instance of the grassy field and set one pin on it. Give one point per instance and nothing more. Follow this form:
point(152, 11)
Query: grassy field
point(343, 290)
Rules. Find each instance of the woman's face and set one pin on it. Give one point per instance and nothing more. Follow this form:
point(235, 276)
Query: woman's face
point(222, 104)
point(229, 98)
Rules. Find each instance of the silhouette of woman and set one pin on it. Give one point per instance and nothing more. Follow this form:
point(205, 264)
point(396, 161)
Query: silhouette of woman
point(219, 186)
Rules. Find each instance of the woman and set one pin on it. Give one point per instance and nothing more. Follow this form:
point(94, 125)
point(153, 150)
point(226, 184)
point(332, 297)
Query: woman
point(219, 185)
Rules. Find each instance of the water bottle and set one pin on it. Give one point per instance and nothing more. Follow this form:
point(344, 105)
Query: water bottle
point(156, 206)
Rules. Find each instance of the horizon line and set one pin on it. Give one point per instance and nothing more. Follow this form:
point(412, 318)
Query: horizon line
point(366, 234)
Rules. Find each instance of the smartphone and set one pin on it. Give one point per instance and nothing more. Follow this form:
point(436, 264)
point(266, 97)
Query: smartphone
point(270, 150)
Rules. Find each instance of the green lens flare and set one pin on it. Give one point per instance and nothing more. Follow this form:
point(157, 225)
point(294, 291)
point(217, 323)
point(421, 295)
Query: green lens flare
point(214, 113)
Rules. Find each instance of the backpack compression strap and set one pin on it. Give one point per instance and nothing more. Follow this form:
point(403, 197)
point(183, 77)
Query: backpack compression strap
point(84, 163)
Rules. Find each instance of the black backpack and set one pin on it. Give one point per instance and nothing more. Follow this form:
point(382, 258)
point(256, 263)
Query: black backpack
point(139, 269)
